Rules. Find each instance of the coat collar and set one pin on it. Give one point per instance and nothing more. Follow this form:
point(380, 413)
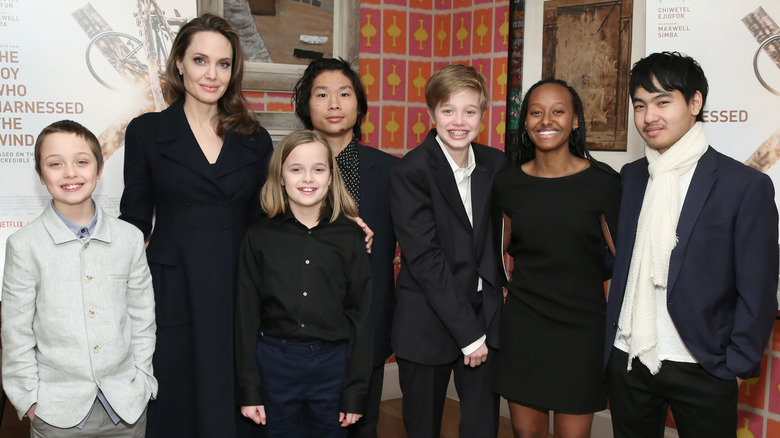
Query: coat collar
point(177, 142)
point(368, 187)
point(445, 180)
point(701, 184)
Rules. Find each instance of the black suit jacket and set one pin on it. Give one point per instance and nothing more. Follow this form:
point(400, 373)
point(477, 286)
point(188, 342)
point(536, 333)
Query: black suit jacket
point(443, 255)
point(375, 167)
point(722, 282)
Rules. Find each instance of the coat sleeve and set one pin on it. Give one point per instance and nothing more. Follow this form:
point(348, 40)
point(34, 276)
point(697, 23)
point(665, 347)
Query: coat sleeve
point(140, 309)
point(423, 257)
point(357, 308)
point(20, 367)
point(137, 202)
point(247, 322)
point(756, 265)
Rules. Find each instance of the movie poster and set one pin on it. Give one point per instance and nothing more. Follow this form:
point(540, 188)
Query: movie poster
point(96, 62)
point(737, 44)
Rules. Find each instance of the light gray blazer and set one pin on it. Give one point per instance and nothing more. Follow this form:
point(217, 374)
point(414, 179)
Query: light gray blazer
point(77, 316)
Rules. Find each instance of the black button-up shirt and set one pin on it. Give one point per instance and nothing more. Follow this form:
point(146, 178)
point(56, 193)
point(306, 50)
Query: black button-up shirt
point(304, 284)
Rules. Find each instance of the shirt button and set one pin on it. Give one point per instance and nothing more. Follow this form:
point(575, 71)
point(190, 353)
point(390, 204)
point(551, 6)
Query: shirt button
point(91, 313)
point(307, 262)
point(305, 294)
point(303, 325)
point(96, 348)
point(308, 232)
point(88, 278)
point(86, 245)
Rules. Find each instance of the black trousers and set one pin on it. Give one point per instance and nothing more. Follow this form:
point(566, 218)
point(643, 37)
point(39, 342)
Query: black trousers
point(424, 389)
point(702, 405)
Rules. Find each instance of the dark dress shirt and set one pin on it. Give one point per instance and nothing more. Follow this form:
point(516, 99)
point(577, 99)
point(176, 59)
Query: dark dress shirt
point(304, 284)
point(348, 161)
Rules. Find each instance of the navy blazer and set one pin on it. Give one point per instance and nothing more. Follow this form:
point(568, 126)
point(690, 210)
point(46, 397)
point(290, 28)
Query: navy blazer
point(723, 272)
point(443, 255)
point(375, 167)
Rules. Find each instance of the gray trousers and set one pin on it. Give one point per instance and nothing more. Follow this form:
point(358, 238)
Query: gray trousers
point(99, 424)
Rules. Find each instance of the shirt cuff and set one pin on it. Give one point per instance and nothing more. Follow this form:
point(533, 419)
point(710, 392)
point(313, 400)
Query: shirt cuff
point(473, 346)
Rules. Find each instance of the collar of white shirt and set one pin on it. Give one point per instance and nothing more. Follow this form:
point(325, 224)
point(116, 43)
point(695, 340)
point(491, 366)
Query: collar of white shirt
point(461, 173)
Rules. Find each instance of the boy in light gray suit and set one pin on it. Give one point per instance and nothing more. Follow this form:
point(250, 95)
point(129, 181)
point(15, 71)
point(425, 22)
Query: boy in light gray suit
point(78, 321)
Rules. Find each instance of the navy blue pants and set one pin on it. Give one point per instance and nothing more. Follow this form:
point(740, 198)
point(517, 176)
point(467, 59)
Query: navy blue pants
point(301, 387)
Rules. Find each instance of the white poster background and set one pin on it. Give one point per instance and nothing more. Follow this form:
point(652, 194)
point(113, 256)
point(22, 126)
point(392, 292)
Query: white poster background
point(740, 112)
point(43, 59)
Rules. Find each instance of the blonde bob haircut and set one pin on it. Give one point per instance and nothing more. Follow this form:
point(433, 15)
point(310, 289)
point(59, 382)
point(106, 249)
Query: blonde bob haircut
point(273, 197)
point(450, 80)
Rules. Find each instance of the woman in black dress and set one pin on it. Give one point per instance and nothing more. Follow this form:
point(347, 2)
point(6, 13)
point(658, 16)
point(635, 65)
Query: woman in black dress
point(193, 174)
point(560, 208)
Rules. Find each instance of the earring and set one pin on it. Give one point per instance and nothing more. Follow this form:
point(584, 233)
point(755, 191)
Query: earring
point(180, 73)
point(526, 140)
point(574, 137)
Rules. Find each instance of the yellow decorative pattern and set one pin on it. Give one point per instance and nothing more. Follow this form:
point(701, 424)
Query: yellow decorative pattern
point(368, 30)
point(462, 33)
point(394, 31)
point(421, 35)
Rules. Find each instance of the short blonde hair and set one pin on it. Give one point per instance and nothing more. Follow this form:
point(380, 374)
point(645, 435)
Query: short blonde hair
point(451, 79)
point(273, 197)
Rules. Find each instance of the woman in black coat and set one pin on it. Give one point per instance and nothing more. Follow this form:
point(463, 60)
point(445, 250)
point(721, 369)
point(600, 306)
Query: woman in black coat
point(192, 174)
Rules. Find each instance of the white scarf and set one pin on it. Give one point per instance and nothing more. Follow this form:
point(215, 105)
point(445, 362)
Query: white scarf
point(656, 237)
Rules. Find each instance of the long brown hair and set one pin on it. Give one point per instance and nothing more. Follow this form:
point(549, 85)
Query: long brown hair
point(273, 197)
point(233, 114)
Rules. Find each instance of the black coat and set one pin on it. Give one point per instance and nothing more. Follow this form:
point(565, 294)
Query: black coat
point(201, 212)
point(375, 167)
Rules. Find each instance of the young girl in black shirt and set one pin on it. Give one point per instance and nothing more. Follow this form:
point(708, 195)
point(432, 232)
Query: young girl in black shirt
point(303, 299)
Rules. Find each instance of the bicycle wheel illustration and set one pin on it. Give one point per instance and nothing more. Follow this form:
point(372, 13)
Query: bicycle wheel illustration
point(115, 59)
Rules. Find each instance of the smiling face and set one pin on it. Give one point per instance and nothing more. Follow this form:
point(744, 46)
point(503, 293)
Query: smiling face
point(457, 121)
point(663, 117)
point(551, 117)
point(206, 67)
point(333, 106)
point(69, 170)
point(306, 177)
